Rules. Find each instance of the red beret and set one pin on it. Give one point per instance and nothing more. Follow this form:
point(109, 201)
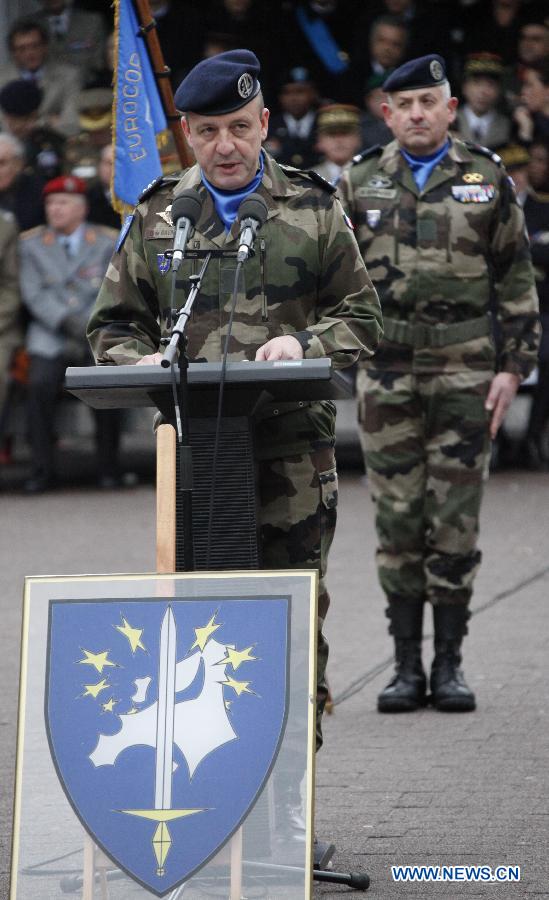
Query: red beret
point(64, 184)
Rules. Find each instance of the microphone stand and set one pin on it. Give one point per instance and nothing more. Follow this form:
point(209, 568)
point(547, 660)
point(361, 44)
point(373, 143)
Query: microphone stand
point(177, 346)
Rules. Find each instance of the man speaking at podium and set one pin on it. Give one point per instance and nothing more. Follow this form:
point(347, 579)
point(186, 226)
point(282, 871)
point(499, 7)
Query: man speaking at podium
point(305, 293)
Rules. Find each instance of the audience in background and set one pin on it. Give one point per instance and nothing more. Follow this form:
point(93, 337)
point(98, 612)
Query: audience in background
point(31, 59)
point(323, 63)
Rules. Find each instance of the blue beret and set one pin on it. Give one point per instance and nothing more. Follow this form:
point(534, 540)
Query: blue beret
point(424, 72)
point(220, 84)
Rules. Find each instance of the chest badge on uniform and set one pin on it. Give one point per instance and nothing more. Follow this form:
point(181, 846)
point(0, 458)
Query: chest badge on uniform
point(473, 193)
point(373, 217)
point(164, 263)
point(166, 215)
point(472, 178)
point(379, 181)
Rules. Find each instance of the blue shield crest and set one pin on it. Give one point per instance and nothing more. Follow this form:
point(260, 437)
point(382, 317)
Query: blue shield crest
point(164, 263)
point(164, 719)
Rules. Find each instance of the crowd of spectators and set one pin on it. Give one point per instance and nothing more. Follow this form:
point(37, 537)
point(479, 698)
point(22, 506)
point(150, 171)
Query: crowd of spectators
point(323, 66)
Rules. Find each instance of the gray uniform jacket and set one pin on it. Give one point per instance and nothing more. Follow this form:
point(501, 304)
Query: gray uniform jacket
point(59, 292)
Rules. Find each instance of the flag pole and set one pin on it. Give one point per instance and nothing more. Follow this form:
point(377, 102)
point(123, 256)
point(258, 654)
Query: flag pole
point(162, 75)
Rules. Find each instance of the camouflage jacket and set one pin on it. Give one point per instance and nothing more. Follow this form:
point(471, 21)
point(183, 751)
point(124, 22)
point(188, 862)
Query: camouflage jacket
point(306, 279)
point(442, 258)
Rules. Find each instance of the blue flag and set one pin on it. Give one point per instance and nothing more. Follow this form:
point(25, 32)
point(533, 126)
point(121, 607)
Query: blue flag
point(138, 114)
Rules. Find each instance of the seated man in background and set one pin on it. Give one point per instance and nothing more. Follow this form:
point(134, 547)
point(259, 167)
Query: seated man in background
point(62, 265)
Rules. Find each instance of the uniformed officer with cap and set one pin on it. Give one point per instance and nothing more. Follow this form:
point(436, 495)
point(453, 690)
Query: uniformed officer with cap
point(307, 294)
point(441, 232)
point(62, 265)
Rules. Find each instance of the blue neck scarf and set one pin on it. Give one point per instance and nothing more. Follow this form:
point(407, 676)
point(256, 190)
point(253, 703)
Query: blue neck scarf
point(227, 202)
point(422, 166)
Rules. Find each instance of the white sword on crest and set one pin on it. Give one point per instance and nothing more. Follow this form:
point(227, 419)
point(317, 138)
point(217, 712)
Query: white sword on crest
point(163, 812)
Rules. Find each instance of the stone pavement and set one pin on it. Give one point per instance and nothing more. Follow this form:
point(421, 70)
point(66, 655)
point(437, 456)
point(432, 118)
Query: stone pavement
point(425, 788)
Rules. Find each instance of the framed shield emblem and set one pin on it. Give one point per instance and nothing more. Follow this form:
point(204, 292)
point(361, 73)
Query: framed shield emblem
point(165, 721)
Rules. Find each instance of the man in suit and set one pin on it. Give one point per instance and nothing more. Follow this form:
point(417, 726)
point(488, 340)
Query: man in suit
point(30, 59)
point(479, 120)
point(62, 266)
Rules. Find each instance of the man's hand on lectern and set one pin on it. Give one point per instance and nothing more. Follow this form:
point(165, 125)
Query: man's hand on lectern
point(284, 347)
point(152, 359)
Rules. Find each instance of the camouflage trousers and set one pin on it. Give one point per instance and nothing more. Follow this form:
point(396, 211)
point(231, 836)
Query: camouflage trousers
point(426, 446)
point(298, 511)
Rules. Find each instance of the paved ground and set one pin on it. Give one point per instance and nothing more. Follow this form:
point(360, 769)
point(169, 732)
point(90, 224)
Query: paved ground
point(427, 788)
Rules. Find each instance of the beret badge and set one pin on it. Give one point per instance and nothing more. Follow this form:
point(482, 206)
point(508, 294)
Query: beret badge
point(436, 70)
point(245, 85)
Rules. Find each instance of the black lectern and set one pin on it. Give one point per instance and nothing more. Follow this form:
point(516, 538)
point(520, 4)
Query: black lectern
point(233, 542)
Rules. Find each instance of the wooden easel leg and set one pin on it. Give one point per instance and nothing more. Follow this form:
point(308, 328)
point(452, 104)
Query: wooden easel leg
point(88, 875)
point(165, 499)
point(236, 865)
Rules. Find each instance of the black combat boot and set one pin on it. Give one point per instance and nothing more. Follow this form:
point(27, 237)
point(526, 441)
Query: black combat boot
point(449, 692)
point(408, 688)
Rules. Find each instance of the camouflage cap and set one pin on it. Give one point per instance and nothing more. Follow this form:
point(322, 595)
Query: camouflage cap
point(221, 84)
point(483, 65)
point(514, 156)
point(423, 72)
point(337, 118)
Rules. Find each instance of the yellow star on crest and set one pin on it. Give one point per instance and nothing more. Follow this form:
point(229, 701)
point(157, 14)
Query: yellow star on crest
point(133, 635)
point(204, 634)
point(241, 687)
point(98, 660)
point(235, 657)
point(109, 705)
point(92, 690)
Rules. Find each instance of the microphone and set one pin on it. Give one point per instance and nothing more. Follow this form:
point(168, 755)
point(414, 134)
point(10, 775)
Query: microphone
point(186, 209)
point(252, 214)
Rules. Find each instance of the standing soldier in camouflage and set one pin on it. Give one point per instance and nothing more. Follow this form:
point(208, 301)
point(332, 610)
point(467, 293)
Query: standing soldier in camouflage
point(306, 294)
point(441, 232)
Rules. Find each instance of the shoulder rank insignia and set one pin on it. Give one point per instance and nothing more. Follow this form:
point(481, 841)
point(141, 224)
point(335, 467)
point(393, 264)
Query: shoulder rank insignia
point(155, 185)
point(484, 151)
point(318, 179)
point(292, 172)
point(375, 150)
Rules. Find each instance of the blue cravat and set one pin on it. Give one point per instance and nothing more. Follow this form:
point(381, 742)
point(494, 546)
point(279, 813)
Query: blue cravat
point(227, 202)
point(422, 166)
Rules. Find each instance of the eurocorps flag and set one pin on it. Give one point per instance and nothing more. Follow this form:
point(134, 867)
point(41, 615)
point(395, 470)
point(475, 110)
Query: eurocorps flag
point(137, 112)
point(164, 719)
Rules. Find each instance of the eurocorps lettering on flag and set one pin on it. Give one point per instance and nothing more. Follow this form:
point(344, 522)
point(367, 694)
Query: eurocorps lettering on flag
point(137, 112)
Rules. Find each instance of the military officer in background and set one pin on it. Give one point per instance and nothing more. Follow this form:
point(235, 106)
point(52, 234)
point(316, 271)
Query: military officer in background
point(62, 265)
point(441, 232)
point(307, 294)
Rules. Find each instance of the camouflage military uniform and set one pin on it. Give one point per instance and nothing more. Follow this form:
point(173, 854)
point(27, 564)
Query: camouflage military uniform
point(438, 258)
point(307, 279)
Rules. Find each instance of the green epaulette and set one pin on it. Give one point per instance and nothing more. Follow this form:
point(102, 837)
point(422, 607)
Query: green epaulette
point(484, 151)
point(375, 150)
point(292, 172)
